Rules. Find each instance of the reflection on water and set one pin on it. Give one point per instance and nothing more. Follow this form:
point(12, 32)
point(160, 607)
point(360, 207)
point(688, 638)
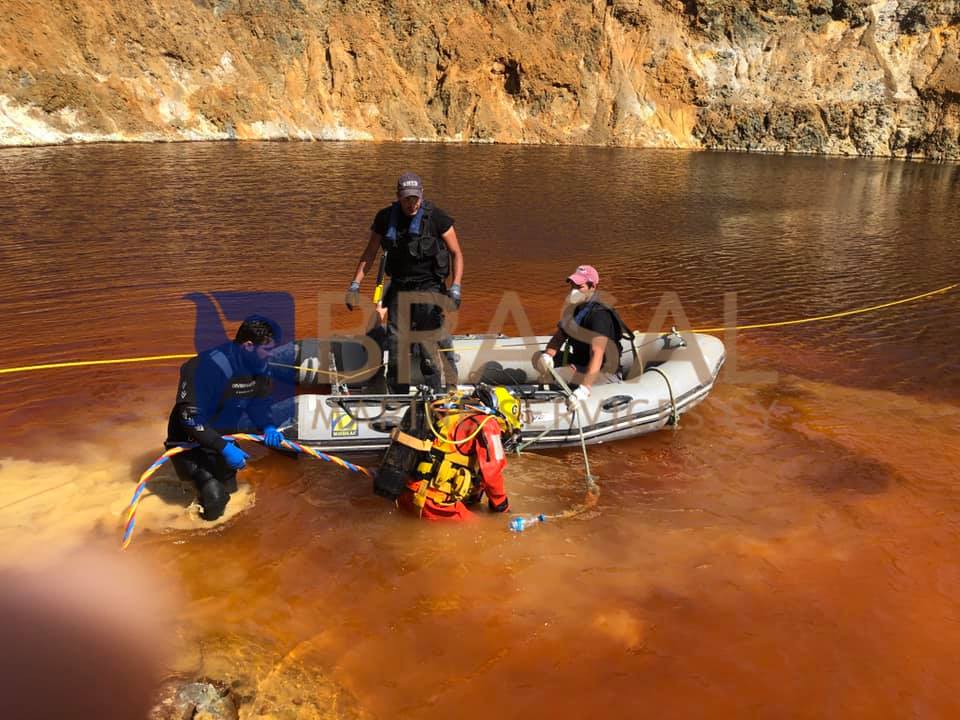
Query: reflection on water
point(789, 548)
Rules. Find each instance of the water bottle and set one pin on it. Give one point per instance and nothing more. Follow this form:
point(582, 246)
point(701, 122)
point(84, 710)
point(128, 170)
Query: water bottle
point(520, 523)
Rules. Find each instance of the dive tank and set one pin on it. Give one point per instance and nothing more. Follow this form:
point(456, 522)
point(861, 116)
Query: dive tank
point(400, 460)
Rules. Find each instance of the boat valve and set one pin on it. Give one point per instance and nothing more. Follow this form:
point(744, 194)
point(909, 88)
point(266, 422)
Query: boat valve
point(673, 340)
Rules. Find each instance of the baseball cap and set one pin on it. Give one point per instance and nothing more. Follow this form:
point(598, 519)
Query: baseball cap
point(585, 274)
point(409, 184)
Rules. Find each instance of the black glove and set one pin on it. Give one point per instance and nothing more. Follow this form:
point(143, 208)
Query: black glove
point(502, 507)
point(454, 294)
point(352, 299)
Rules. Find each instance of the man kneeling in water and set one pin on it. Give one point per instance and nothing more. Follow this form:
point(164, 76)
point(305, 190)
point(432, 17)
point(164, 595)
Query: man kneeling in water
point(465, 459)
point(221, 391)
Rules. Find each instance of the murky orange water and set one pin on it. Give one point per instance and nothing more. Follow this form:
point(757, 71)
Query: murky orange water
point(790, 551)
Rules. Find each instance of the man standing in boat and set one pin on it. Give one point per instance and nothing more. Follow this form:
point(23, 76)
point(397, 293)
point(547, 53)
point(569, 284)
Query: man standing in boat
point(223, 390)
point(421, 250)
point(592, 330)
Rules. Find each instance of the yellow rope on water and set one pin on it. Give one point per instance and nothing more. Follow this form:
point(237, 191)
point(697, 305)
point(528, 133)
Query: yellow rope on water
point(781, 323)
point(87, 363)
point(831, 316)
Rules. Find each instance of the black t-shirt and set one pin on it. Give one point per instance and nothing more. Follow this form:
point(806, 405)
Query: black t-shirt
point(599, 319)
point(439, 220)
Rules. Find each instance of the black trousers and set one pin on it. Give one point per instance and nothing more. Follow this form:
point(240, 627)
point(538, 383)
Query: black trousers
point(210, 474)
point(439, 369)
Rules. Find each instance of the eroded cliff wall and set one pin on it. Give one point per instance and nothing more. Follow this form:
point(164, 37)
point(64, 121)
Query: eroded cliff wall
point(839, 76)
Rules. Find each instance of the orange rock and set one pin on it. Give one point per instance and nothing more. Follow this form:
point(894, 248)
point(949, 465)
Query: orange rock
point(801, 76)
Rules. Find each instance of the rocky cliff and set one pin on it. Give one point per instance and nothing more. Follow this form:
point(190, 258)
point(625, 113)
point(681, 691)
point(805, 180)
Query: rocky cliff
point(835, 76)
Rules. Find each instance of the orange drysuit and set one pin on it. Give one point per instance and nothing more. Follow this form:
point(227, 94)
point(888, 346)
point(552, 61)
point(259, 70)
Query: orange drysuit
point(487, 460)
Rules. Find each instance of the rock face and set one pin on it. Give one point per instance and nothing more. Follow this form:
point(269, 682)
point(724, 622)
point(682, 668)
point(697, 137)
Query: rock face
point(835, 76)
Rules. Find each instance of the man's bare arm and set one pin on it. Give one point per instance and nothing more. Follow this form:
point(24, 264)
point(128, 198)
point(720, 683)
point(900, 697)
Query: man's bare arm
point(369, 254)
point(453, 245)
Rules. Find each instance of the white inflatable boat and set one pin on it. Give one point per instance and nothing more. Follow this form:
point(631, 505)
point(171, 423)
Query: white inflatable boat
point(675, 372)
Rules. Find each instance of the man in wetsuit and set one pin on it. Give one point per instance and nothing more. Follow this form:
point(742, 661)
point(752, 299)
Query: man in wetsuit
point(593, 331)
point(422, 250)
point(223, 390)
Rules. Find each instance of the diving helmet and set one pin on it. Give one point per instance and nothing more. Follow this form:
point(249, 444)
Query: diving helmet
point(504, 404)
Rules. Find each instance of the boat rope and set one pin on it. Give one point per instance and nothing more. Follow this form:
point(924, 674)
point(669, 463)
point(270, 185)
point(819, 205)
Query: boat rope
point(591, 483)
point(524, 445)
point(520, 523)
point(87, 363)
point(131, 515)
point(831, 316)
point(781, 323)
point(674, 414)
point(333, 374)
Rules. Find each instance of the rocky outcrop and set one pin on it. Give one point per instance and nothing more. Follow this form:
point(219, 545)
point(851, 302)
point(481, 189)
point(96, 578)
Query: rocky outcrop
point(836, 76)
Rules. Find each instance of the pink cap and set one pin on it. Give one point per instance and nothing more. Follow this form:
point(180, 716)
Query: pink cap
point(585, 274)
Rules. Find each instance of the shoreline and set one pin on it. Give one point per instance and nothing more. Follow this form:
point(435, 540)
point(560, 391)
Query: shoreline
point(146, 140)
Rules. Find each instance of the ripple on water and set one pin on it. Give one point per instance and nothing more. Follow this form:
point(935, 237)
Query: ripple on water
point(790, 546)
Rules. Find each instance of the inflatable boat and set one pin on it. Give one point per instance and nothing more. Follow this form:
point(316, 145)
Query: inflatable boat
point(341, 406)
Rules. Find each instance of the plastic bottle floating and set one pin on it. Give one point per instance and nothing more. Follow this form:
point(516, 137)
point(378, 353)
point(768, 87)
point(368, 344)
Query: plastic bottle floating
point(520, 523)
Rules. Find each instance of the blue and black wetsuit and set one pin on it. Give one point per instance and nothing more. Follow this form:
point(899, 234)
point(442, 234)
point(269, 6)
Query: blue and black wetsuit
point(219, 393)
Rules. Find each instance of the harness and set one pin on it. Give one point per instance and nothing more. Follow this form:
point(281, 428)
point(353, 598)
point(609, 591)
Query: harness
point(623, 332)
point(434, 453)
point(241, 402)
point(413, 229)
point(447, 476)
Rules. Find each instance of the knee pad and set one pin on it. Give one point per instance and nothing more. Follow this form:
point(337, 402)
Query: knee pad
point(230, 483)
point(213, 499)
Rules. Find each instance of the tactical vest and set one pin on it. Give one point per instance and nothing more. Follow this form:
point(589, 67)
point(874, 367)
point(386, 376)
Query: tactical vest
point(415, 255)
